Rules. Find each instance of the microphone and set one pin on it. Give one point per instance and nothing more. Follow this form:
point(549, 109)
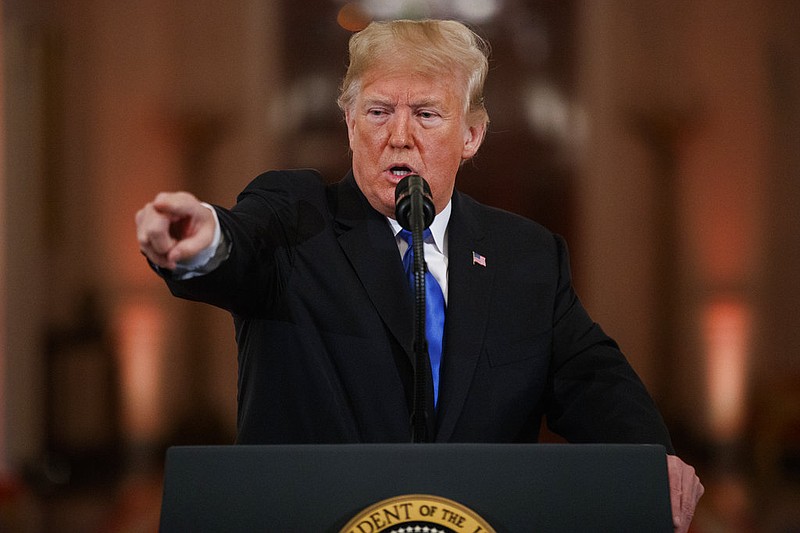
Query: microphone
point(414, 203)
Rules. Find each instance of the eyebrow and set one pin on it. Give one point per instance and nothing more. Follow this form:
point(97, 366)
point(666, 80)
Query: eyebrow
point(430, 102)
point(424, 102)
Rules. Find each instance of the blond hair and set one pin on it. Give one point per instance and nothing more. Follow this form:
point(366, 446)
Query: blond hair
point(434, 47)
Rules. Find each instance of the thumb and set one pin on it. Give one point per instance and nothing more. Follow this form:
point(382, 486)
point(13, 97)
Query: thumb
point(194, 241)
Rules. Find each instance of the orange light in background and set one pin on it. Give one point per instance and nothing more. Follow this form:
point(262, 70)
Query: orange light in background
point(352, 17)
point(726, 332)
point(141, 341)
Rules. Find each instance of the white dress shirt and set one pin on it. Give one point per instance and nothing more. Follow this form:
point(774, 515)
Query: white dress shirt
point(435, 247)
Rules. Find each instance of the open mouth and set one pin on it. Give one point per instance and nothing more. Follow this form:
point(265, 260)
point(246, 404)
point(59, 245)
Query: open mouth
point(401, 171)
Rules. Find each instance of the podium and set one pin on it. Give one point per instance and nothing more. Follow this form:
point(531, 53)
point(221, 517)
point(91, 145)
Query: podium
point(321, 488)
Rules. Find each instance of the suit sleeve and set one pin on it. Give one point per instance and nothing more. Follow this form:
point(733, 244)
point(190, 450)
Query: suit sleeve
point(595, 395)
point(262, 228)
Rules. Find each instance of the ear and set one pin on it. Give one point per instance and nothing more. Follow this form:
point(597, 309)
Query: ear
point(473, 138)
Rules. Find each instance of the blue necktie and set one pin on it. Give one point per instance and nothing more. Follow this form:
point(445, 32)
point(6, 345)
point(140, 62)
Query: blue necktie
point(434, 311)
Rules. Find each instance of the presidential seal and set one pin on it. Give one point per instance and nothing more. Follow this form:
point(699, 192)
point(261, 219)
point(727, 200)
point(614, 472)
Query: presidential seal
point(417, 513)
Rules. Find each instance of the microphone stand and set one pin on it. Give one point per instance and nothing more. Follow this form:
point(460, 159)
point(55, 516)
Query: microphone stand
point(419, 415)
point(415, 212)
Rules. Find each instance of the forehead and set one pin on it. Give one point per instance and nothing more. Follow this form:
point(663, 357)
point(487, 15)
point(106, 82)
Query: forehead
point(403, 83)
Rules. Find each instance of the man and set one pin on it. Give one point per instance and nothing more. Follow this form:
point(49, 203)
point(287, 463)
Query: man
point(314, 279)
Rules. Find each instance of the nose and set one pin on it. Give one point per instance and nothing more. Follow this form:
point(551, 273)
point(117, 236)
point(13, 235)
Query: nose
point(400, 135)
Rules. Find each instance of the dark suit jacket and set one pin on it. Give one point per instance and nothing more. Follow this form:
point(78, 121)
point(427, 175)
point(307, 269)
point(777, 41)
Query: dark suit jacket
point(324, 326)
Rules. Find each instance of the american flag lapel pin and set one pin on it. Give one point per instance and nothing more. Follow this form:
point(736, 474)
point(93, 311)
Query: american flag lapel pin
point(478, 259)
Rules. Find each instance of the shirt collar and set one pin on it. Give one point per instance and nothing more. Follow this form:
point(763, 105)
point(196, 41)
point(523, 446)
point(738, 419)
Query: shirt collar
point(438, 227)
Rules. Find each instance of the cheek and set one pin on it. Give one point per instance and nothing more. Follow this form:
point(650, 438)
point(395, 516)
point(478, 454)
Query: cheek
point(364, 143)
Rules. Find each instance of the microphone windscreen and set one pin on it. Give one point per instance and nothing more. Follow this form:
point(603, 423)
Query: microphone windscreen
point(406, 189)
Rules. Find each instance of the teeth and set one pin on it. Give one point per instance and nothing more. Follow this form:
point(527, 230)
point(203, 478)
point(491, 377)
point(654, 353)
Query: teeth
point(400, 172)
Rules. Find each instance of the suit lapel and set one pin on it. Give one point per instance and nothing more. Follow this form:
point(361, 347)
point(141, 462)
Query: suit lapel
point(367, 241)
point(470, 286)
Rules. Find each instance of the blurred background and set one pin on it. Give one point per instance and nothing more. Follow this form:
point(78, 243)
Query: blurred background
point(659, 136)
